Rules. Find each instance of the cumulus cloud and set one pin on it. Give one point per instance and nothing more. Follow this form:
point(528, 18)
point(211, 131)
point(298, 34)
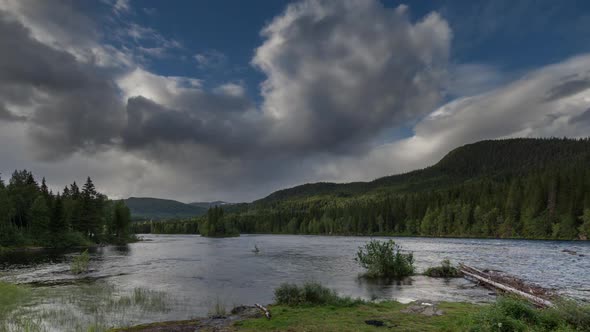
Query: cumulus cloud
point(341, 71)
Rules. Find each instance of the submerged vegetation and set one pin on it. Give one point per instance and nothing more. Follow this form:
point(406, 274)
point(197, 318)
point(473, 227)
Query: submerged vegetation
point(32, 215)
point(22, 308)
point(445, 270)
point(385, 259)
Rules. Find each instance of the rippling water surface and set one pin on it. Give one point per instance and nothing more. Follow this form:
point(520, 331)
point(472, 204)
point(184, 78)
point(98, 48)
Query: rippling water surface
point(191, 273)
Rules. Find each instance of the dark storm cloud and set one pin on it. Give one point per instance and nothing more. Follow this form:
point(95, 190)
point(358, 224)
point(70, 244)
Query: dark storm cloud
point(567, 88)
point(76, 104)
point(6, 115)
point(581, 119)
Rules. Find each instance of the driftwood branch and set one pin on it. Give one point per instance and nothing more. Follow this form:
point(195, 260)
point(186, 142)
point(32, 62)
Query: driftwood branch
point(486, 279)
point(266, 311)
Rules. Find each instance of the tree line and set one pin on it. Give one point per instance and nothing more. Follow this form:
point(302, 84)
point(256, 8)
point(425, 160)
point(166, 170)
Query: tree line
point(549, 204)
point(32, 215)
point(546, 203)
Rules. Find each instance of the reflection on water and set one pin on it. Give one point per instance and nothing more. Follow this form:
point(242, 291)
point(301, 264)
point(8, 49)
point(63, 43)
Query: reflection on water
point(194, 272)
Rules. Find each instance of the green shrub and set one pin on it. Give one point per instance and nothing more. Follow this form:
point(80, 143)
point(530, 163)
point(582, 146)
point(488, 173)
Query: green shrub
point(445, 270)
point(575, 315)
point(513, 314)
point(385, 259)
point(311, 293)
point(80, 263)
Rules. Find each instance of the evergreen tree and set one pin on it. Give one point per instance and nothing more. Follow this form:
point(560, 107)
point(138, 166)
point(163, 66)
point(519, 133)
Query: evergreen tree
point(121, 220)
point(40, 218)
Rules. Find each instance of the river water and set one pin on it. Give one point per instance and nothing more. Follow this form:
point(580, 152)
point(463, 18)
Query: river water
point(184, 276)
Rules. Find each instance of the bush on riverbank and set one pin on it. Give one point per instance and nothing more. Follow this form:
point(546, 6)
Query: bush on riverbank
point(513, 314)
point(385, 260)
point(311, 293)
point(445, 270)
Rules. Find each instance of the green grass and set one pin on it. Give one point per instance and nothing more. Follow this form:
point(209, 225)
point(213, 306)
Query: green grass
point(506, 315)
point(512, 314)
point(10, 297)
point(352, 318)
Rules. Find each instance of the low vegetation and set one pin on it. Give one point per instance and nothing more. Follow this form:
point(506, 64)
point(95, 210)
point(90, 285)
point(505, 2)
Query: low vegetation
point(80, 263)
point(10, 296)
point(310, 293)
point(445, 270)
point(385, 259)
point(512, 314)
point(507, 314)
point(354, 318)
point(218, 309)
point(89, 307)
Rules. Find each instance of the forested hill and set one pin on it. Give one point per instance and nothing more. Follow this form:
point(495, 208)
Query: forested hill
point(491, 158)
point(157, 208)
point(530, 188)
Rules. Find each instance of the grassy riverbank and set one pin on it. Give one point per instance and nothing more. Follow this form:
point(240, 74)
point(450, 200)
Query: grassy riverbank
point(312, 307)
point(508, 314)
point(455, 317)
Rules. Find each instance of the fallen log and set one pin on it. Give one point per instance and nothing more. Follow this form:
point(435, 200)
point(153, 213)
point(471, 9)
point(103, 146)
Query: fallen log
point(266, 311)
point(485, 279)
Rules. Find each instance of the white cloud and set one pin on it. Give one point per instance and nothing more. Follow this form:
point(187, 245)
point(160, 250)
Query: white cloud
point(339, 72)
point(211, 59)
point(121, 6)
point(537, 105)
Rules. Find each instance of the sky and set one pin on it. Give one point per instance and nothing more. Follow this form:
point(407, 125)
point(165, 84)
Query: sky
point(232, 100)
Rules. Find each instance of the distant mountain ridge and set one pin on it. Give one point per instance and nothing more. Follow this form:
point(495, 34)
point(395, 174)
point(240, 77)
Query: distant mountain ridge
point(209, 204)
point(159, 209)
point(484, 158)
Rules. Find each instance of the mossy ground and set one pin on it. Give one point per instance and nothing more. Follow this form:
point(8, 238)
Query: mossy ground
point(456, 317)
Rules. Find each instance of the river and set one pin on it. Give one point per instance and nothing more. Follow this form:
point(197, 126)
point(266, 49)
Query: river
point(169, 277)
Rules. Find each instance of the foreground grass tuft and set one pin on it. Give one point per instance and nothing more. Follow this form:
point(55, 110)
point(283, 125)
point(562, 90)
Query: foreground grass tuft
point(10, 297)
point(218, 309)
point(311, 293)
point(513, 314)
